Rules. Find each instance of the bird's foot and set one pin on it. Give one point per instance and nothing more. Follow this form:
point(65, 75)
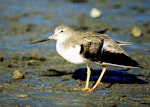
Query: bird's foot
point(100, 83)
point(82, 89)
point(94, 87)
point(87, 88)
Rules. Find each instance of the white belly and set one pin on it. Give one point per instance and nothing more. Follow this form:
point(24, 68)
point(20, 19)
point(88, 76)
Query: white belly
point(71, 54)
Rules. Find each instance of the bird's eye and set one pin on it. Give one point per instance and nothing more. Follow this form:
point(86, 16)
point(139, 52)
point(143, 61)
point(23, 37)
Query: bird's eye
point(61, 31)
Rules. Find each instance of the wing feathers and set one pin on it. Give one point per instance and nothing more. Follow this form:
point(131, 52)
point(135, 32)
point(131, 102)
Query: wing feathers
point(118, 59)
point(122, 42)
point(108, 52)
point(101, 49)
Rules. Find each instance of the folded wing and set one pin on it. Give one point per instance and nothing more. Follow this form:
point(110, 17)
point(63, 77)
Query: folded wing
point(103, 50)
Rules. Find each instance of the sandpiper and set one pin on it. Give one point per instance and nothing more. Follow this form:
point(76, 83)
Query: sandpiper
point(82, 47)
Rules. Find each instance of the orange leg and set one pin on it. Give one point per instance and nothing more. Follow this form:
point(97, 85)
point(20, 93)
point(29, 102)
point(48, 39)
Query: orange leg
point(87, 79)
point(99, 79)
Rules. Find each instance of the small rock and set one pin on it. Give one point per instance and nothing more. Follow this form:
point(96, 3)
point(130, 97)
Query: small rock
point(95, 13)
point(18, 74)
point(1, 58)
point(136, 32)
point(23, 95)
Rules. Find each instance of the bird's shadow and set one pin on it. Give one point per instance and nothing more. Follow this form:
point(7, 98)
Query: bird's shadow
point(110, 76)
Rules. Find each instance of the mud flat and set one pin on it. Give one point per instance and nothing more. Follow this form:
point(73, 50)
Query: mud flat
point(45, 79)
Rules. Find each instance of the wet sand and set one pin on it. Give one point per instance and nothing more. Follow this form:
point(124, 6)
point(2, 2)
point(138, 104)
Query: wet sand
point(49, 80)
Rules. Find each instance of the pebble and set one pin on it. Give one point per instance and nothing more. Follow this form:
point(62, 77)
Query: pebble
point(95, 13)
point(18, 74)
point(23, 95)
point(1, 57)
point(136, 32)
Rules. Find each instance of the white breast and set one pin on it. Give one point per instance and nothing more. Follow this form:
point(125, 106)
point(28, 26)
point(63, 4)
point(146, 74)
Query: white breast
point(71, 54)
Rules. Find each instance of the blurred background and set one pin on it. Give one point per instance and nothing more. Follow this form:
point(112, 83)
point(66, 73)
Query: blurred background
point(23, 21)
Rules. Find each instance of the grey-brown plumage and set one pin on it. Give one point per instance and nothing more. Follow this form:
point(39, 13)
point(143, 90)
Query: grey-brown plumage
point(82, 47)
point(101, 49)
point(108, 52)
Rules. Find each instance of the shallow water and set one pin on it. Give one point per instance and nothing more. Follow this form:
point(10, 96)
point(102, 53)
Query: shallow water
point(49, 79)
